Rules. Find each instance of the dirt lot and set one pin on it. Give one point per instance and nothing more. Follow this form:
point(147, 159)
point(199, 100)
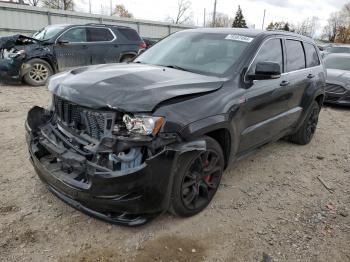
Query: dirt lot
point(270, 206)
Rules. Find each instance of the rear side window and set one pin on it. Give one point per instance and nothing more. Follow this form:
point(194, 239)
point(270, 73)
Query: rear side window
point(98, 34)
point(271, 51)
point(295, 55)
point(129, 34)
point(311, 55)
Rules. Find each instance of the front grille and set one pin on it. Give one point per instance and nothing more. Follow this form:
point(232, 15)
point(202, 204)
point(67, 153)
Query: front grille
point(331, 98)
point(335, 89)
point(94, 123)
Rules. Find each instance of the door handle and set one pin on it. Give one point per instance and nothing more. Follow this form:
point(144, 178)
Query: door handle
point(284, 83)
point(310, 76)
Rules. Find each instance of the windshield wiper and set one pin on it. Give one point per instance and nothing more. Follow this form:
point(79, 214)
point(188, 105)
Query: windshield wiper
point(177, 67)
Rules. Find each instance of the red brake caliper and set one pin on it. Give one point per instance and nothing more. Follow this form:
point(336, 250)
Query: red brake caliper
point(208, 177)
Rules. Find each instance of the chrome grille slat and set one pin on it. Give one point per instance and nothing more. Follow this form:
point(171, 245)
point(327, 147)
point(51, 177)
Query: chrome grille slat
point(93, 122)
point(335, 89)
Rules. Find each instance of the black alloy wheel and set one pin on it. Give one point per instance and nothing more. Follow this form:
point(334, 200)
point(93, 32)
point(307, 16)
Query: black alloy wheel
point(312, 123)
point(307, 130)
point(197, 182)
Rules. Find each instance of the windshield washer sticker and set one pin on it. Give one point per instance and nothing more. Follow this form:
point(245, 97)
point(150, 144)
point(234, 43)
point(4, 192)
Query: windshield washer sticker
point(239, 38)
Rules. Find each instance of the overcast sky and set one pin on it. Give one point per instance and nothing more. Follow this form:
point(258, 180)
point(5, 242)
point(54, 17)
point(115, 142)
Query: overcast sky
point(276, 10)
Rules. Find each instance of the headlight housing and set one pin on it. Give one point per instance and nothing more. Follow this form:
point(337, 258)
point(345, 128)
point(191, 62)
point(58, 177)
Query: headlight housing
point(143, 125)
point(15, 54)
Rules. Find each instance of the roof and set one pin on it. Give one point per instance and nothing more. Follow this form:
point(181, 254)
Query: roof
point(249, 32)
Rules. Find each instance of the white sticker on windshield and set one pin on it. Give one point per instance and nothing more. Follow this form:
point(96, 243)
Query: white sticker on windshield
point(239, 38)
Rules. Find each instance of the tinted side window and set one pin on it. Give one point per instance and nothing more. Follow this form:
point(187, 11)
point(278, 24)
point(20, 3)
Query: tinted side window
point(129, 34)
point(295, 55)
point(311, 55)
point(74, 35)
point(271, 51)
point(99, 34)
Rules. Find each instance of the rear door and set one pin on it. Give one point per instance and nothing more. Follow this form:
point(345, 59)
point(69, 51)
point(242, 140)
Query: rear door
point(102, 47)
point(299, 75)
point(71, 48)
point(266, 111)
point(314, 71)
point(128, 40)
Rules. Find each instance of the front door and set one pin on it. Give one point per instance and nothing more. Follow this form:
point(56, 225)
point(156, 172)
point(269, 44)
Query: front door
point(266, 109)
point(71, 49)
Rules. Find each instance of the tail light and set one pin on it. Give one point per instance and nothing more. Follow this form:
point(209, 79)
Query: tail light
point(142, 45)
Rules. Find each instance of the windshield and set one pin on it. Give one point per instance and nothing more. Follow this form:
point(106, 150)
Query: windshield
point(339, 49)
point(342, 63)
point(48, 32)
point(205, 53)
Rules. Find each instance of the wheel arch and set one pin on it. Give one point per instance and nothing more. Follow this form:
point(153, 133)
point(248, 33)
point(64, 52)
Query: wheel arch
point(124, 54)
point(320, 99)
point(216, 127)
point(25, 69)
point(223, 137)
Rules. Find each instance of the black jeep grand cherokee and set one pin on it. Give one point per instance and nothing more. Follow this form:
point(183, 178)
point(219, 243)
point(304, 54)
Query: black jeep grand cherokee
point(125, 142)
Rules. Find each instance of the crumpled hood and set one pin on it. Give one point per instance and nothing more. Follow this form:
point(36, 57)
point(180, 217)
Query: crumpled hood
point(337, 76)
point(129, 87)
point(8, 42)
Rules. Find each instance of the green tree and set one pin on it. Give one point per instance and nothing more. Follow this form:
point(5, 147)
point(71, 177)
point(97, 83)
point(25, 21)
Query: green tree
point(279, 26)
point(271, 26)
point(59, 4)
point(286, 27)
point(239, 21)
point(121, 11)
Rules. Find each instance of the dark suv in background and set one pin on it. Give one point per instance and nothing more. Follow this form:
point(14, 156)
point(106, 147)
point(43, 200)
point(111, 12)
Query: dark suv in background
point(61, 47)
point(125, 142)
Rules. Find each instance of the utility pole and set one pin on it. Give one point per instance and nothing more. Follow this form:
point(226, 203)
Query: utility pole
point(90, 6)
point(205, 11)
point(263, 23)
point(110, 5)
point(214, 13)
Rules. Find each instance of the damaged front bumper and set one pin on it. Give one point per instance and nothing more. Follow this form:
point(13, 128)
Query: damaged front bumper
point(131, 196)
point(11, 68)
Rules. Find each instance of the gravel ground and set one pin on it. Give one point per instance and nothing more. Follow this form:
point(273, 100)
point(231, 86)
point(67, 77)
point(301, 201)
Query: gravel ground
point(270, 207)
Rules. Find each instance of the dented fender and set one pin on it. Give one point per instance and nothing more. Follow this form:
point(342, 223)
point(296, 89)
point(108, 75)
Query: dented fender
point(15, 67)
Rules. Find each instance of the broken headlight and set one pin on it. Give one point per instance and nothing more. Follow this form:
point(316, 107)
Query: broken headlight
point(14, 53)
point(143, 125)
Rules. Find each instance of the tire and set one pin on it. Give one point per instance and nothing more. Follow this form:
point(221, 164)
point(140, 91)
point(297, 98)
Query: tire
point(126, 59)
point(39, 72)
point(198, 180)
point(307, 130)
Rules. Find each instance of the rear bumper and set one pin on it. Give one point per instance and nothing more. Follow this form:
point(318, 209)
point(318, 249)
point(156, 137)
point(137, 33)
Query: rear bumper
point(130, 197)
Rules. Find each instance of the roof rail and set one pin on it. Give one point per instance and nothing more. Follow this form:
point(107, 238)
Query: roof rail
point(96, 24)
point(120, 26)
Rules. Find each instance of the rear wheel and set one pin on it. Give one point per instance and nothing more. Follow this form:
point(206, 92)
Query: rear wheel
point(196, 184)
point(306, 132)
point(38, 73)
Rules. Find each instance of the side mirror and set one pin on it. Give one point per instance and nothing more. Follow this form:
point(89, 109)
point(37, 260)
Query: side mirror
point(266, 70)
point(62, 42)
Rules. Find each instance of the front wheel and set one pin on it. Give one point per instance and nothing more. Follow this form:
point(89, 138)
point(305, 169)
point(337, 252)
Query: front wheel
point(39, 72)
point(307, 130)
point(196, 183)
